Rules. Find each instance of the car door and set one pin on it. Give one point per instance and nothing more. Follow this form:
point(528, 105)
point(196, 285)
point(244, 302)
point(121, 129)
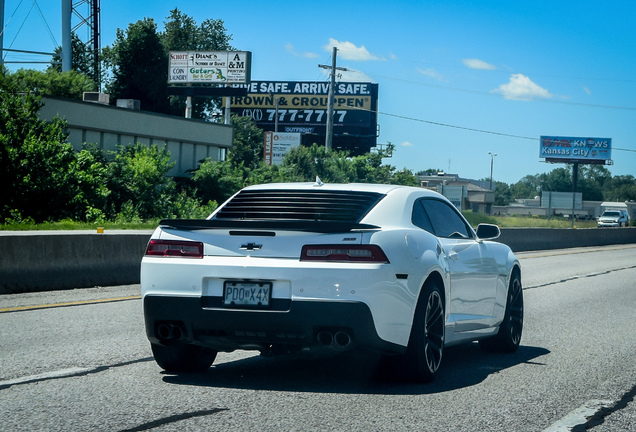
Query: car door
point(473, 270)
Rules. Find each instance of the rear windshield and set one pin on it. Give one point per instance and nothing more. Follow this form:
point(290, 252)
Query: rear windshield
point(299, 205)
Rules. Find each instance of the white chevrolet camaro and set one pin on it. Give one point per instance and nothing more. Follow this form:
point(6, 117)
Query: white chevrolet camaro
point(318, 269)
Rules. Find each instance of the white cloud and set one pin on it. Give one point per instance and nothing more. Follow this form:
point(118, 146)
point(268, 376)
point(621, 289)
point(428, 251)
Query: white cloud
point(393, 56)
point(478, 64)
point(348, 51)
point(289, 47)
point(520, 87)
point(406, 144)
point(587, 90)
point(430, 72)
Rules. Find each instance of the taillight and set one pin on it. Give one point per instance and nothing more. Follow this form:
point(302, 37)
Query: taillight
point(356, 253)
point(175, 248)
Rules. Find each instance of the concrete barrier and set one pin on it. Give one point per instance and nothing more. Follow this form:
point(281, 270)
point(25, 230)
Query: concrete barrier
point(529, 239)
point(38, 261)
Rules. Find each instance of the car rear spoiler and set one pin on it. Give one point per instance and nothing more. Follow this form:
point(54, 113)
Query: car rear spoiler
point(273, 224)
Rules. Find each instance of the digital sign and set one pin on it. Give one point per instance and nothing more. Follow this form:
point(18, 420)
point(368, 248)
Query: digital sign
point(576, 150)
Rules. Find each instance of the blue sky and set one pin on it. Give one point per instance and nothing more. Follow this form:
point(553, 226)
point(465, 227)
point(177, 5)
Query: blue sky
point(457, 79)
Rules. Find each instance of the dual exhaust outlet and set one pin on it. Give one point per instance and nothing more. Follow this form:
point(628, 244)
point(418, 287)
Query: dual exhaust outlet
point(340, 340)
point(171, 331)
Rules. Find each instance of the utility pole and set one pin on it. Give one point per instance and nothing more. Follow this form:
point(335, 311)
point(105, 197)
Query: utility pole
point(332, 85)
point(1, 32)
point(67, 8)
point(330, 97)
point(492, 158)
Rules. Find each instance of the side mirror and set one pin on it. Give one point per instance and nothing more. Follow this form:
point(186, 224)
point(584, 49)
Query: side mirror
point(488, 231)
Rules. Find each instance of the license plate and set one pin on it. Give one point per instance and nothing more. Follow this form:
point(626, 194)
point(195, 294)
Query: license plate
point(240, 293)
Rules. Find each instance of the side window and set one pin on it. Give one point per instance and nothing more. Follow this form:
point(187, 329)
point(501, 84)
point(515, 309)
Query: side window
point(420, 218)
point(445, 220)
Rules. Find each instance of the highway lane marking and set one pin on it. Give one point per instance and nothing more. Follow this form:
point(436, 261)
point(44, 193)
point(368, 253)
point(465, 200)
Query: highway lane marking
point(43, 376)
point(573, 251)
point(67, 373)
point(582, 276)
point(74, 303)
point(579, 416)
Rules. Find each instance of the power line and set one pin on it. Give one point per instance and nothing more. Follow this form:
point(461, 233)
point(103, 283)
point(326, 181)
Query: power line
point(501, 71)
point(455, 126)
point(403, 117)
point(497, 95)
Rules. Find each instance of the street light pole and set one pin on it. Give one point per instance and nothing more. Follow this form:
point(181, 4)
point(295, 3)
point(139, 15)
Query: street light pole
point(492, 159)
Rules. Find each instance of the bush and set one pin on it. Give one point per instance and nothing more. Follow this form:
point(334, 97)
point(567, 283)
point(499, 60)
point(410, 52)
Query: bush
point(138, 181)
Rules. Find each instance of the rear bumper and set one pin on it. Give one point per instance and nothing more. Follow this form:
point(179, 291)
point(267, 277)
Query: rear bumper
point(309, 326)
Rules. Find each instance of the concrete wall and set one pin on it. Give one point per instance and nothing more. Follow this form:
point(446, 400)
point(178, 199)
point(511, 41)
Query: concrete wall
point(187, 140)
point(529, 239)
point(37, 261)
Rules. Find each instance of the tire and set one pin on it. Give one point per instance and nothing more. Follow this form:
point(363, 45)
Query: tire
point(424, 352)
point(183, 358)
point(509, 335)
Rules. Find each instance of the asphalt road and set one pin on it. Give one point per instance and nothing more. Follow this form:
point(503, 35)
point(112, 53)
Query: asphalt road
point(69, 365)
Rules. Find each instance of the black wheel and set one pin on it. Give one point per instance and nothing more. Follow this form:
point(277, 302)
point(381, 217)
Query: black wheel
point(183, 358)
point(424, 352)
point(509, 335)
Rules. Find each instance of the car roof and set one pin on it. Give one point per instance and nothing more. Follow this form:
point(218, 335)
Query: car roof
point(361, 187)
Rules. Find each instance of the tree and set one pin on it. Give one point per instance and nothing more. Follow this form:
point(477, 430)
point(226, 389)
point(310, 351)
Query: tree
point(405, 177)
point(81, 60)
point(39, 169)
point(139, 66)
point(69, 84)
point(557, 180)
point(503, 195)
point(181, 33)
point(140, 188)
point(526, 188)
point(247, 143)
point(592, 178)
point(217, 180)
point(620, 188)
point(430, 171)
point(138, 61)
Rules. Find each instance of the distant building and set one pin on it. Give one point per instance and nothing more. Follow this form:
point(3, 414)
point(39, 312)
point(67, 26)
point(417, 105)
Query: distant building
point(466, 194)
point(189, 141)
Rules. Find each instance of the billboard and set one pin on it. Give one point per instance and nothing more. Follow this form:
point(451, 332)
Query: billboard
point(277, 145)
point(576, 150)
point(210, 67)
point(301, 107)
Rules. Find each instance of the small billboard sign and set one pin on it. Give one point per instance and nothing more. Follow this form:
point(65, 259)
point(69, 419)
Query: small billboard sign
point(576, 150)
point(278, 144)
point(211, 67)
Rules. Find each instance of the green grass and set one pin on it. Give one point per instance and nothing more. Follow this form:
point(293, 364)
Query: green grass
point(72, 225)
point(473, 218)
point(525, 222)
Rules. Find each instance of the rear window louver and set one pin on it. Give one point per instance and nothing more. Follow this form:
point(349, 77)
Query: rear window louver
point(299, 205)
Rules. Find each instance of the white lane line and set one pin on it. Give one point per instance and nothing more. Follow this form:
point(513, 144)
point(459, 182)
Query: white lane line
point(43, 376)
point(579, 416)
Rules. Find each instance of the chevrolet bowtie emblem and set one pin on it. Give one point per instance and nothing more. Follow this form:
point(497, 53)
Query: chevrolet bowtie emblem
point(251, 246)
